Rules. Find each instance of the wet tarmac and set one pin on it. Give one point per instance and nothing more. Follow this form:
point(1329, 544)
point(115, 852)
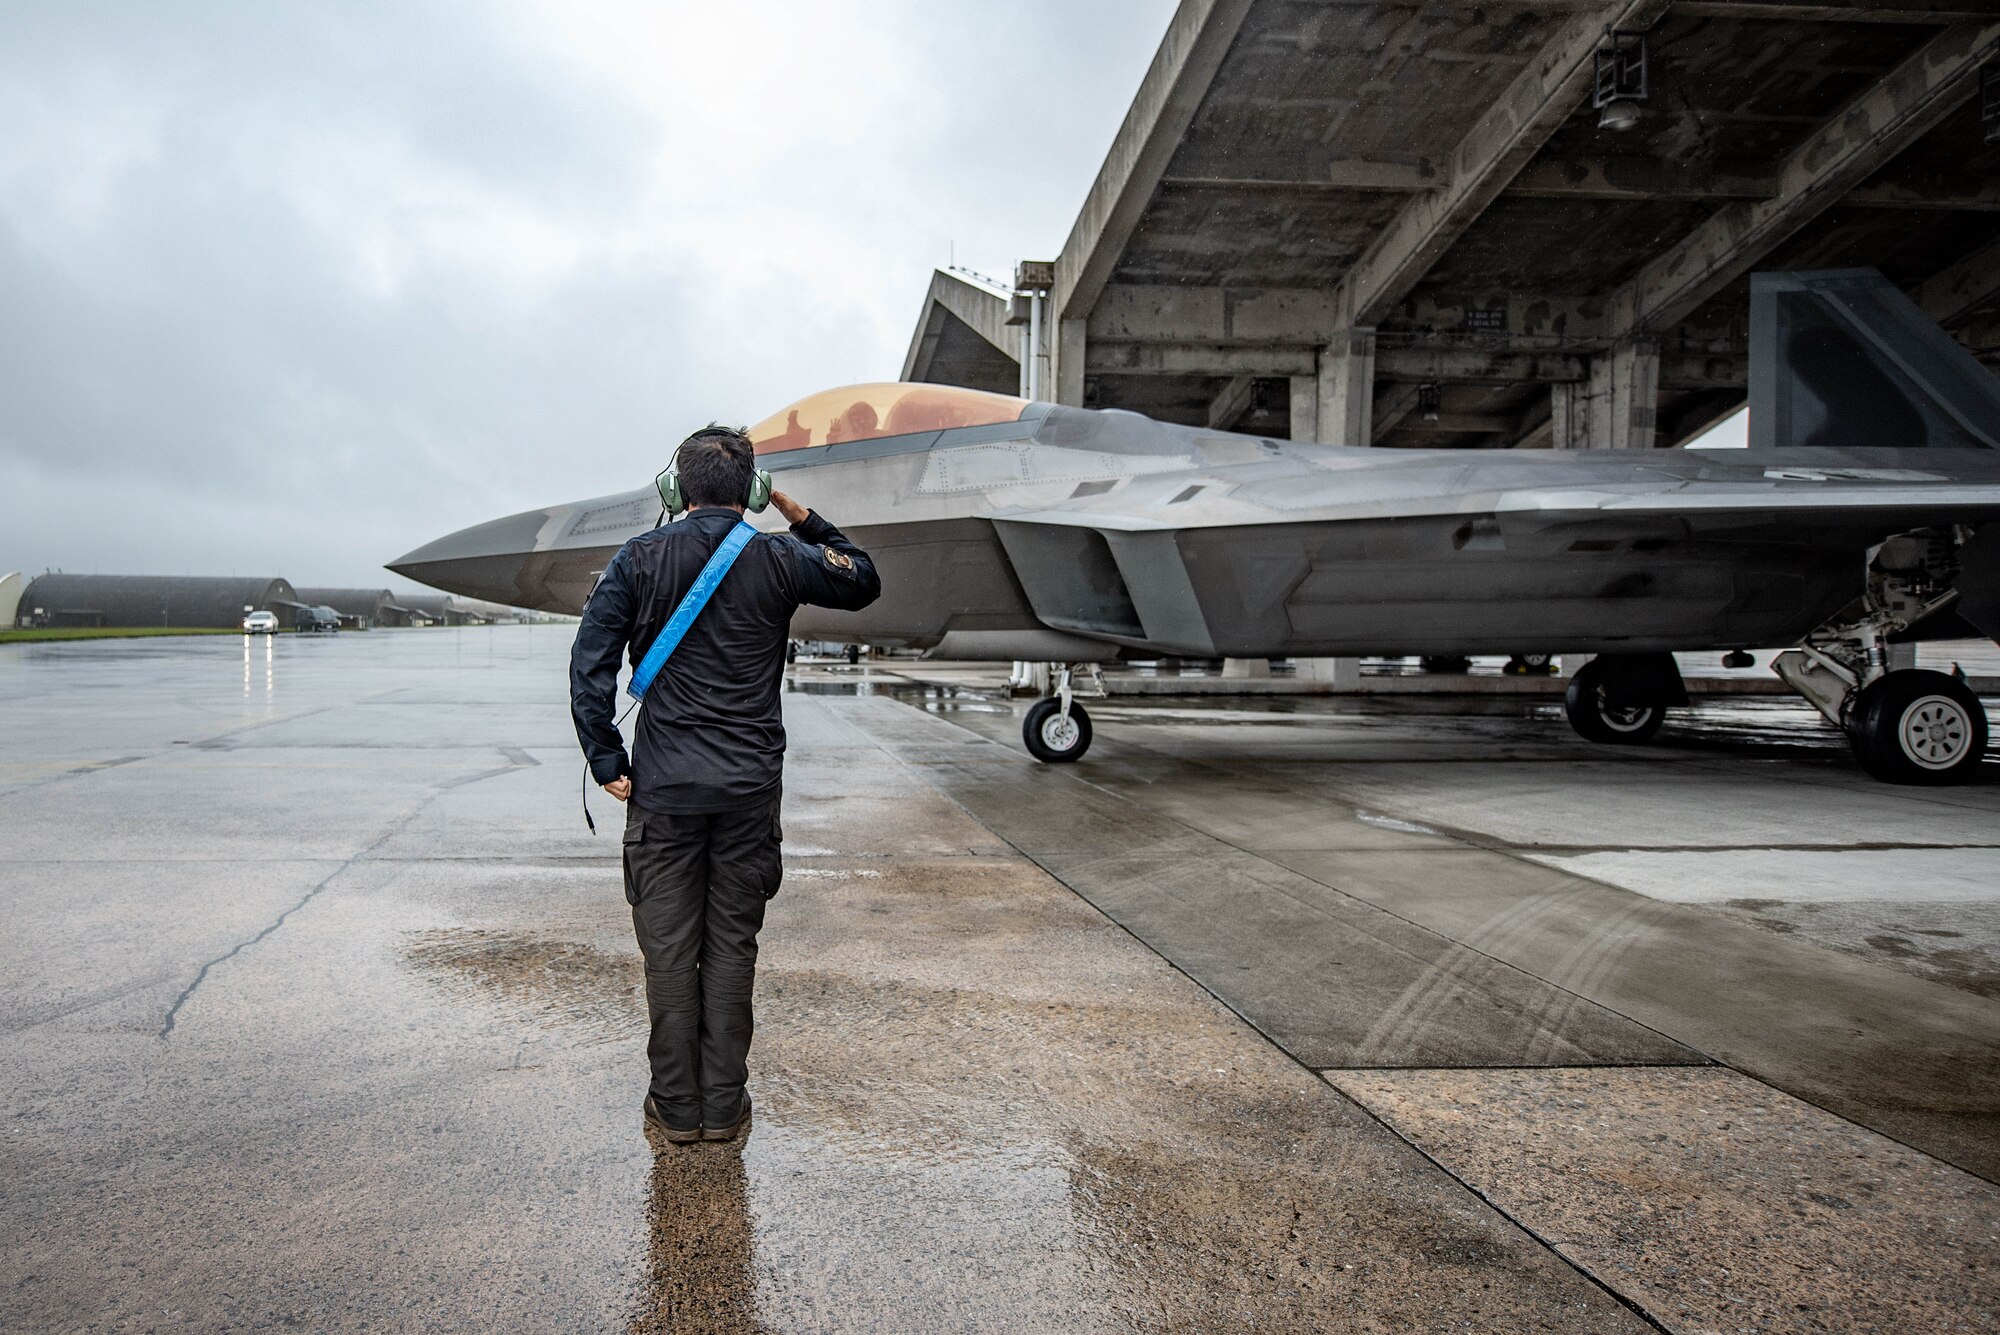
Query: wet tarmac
point(321, 1011)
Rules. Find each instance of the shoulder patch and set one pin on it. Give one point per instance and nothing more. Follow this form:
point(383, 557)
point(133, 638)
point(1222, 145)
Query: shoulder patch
point(840, 561)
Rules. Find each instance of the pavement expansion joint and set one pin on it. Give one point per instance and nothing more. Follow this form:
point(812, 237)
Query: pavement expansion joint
point(1552, 1245)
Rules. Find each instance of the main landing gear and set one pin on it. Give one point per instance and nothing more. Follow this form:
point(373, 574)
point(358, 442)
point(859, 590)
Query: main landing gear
point(1623, 698)
point(1057, 730)
point(1917, 726)
point(1906, 724)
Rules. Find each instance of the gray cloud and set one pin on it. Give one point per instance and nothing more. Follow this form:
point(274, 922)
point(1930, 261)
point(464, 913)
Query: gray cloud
point(292, 289)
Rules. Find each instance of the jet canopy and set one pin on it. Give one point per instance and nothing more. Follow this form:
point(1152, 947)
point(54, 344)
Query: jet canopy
point(871, 412)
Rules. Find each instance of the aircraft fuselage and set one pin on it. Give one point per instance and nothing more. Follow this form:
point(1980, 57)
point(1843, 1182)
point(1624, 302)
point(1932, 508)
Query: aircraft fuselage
point(1093, 535)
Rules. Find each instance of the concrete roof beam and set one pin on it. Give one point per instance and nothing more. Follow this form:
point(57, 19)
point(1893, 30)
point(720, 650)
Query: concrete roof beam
point(1393, 402)
point(1633, 177)
point(1841, 11)
point(1197, 38)
point(1222, 170)
point(1566, 321)
point(1955, 292)
point(1695, 370)
point(1197, 359)
point(1941, 197)
point(1140, 313)
point(1485, 161)
point(1851, 146)
point(1232, 403)
point(1143, 313)
point(1485, 424)
point(1535, 427)
point(1469, 366)
point(1820, 11)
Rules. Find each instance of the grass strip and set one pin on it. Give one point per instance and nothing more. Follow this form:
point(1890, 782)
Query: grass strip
point(106, 633)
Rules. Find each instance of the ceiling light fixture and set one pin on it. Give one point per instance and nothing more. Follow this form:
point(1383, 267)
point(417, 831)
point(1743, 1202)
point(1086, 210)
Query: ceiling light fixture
point(1620, 85)
point(1430, 397)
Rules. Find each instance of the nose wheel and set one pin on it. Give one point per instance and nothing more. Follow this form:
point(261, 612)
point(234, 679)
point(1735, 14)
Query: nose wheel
point(1056, 735)
point(1057, 730)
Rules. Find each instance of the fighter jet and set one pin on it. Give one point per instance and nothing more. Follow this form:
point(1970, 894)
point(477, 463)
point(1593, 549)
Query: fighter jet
point(1865, 516)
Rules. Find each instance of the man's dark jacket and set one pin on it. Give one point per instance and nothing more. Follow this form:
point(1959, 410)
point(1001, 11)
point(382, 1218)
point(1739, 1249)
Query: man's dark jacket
point(710, 735)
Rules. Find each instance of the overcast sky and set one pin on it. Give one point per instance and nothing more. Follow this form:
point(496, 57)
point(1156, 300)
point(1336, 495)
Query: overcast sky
point(291, 289)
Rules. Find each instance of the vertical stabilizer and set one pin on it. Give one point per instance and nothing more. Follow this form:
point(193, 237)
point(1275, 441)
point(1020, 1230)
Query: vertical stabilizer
point(1840, 358)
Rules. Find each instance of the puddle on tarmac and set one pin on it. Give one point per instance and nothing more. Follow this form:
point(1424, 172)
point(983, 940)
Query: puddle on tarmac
point(537, 979)
point(946, 1157)
point(929, 696)
point(699, 1245)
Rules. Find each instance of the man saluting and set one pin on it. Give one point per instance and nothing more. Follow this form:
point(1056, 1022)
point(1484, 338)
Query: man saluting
point(702, 785)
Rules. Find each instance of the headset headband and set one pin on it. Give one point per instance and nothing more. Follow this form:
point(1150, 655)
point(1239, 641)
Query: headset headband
point(669, 481)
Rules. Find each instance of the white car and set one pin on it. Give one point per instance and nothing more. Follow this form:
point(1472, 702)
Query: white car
point(261, 623)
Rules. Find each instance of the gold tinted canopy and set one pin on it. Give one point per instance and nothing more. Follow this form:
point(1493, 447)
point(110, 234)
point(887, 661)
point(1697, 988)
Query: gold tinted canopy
point(870, 412)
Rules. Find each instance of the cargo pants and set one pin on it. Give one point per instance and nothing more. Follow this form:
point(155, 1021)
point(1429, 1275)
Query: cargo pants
point(697, 886)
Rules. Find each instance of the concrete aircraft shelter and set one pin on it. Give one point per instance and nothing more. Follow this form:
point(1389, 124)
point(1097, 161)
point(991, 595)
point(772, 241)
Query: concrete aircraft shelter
point(1315, 212)
point(199, 601)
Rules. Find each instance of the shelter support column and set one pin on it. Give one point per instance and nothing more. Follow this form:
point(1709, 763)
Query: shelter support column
point(1305, 407)
point(1337, 406)
point(1069, 363)
point(1614, 409)
point(1347, 388)
point(1036, 330)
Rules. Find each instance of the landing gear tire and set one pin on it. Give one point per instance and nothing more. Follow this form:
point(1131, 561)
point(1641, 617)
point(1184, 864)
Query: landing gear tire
point(1530, 665)
point(854, 653)
point(1445, 663)
point(1051, 736)
point(1597, 720)
point(1918, 727)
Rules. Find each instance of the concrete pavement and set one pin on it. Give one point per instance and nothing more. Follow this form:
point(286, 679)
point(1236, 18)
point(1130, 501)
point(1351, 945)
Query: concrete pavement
point(322, 1010)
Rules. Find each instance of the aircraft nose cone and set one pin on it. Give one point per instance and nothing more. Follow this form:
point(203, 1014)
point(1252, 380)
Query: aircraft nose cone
point(485, 561)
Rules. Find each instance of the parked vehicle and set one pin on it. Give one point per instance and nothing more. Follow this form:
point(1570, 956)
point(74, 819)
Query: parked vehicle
point(318, 620)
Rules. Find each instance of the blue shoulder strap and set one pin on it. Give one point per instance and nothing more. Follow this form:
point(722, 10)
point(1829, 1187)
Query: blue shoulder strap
point(697, 598)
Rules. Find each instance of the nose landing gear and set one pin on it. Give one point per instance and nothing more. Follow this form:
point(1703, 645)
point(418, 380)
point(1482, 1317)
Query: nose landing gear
point(1057, 730)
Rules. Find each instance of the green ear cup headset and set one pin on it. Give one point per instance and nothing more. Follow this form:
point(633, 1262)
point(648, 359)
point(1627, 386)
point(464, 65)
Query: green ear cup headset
point(669, 481)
